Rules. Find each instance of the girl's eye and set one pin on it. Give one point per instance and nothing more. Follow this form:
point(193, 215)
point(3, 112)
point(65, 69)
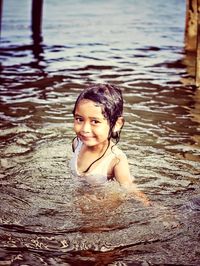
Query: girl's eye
point(95, 122)
point(78, 119)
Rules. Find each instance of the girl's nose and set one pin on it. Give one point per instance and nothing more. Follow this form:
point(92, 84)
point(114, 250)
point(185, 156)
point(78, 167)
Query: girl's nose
point(86, 128)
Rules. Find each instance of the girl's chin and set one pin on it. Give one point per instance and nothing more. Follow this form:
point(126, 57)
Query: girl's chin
point(89, 142)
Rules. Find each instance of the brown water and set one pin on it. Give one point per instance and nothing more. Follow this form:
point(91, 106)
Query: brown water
point(48, 217)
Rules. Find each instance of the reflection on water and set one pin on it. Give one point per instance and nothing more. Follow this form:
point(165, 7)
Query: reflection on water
point(49, 217)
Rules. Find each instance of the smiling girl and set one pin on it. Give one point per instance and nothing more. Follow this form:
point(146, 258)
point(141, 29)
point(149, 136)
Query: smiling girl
point(98, 120)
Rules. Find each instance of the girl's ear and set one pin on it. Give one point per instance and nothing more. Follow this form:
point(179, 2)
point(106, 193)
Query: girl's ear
point(119, 124)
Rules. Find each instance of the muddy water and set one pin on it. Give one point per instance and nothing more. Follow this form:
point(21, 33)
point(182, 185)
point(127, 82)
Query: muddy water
point(49, 217)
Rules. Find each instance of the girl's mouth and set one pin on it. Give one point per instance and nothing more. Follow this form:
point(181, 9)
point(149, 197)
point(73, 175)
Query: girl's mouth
point(86, 137)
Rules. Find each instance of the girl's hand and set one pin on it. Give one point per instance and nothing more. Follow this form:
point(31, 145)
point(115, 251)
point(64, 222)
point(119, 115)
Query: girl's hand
point(142, 197)
point(131, 189)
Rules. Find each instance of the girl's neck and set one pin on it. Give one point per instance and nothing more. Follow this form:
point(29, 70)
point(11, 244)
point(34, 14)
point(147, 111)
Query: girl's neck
point(100, 148)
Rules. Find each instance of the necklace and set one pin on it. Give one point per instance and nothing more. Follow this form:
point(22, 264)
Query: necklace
point(97, 158)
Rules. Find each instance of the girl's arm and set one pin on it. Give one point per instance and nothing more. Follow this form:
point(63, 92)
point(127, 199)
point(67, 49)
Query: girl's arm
point(122, 175)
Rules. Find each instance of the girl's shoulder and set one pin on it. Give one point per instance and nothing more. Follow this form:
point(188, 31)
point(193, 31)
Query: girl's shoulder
point(119, 159)
point(117, 151)
point(117, 156)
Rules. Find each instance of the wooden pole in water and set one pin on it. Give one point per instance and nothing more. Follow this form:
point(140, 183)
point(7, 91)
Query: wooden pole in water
point(198, 46)
point(191, 25)
point(36, 20)
point(1, 8)
point(192, 34)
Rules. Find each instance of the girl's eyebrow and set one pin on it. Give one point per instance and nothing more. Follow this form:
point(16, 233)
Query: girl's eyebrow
point(91, 117)
point(76, 114)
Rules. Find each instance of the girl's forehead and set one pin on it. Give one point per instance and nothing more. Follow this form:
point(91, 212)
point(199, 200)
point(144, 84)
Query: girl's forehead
point(89, 105)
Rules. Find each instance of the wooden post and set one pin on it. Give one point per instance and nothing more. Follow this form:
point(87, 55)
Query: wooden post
point(198, 46)
point(192, 34)
point(1, 11)
point(191, 25)
point(37, 20)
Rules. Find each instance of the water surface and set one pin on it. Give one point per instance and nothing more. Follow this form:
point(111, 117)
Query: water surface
point(49, 217)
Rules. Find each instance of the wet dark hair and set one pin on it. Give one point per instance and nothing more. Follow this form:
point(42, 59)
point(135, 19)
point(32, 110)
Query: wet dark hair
point(110, 99)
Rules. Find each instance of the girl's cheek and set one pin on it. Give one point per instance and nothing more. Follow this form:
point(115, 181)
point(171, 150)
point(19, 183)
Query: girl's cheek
point(75, 128)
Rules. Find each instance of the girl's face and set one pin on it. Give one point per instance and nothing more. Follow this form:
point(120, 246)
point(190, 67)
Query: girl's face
point(90, 125)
